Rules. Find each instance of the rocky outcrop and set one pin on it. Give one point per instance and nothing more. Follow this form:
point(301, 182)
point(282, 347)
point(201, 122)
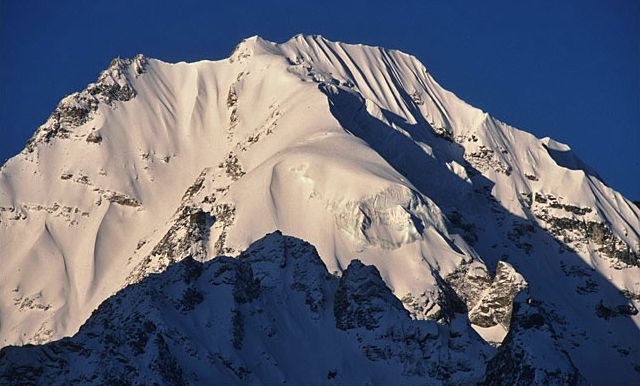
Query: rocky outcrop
point(113, 85)
point(187, 236)
point(495, 303)
point(94, 138)
point(362, 299)
point(570, 225)
point(489, 301)
point(531, 353)
point(484, 159)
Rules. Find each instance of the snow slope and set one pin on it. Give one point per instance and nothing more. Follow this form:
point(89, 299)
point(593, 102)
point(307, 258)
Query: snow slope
point(354, 149)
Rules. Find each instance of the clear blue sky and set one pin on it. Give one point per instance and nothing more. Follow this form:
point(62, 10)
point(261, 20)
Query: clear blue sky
point(565, 69)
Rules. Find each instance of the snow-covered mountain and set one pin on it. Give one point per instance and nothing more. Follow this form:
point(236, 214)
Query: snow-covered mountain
point(451, 247)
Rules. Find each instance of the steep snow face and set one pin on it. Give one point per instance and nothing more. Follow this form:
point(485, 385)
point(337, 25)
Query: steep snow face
point(355, 149)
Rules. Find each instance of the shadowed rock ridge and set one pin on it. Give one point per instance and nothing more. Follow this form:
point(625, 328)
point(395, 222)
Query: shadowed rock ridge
point(274, 314)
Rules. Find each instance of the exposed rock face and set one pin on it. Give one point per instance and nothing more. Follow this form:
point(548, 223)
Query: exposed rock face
point(441, 304)
point(187, 236)
point(362, 298)
point(488, 300)
point(94, 138)
point(114, 84)
point(577, 228)
point(494, 305)
point(484, 159)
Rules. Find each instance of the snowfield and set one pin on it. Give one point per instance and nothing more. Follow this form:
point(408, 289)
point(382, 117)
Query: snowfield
point(354, 149)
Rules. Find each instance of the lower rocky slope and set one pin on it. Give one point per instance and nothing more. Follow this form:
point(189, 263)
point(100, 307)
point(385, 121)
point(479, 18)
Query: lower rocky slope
point(275, 315)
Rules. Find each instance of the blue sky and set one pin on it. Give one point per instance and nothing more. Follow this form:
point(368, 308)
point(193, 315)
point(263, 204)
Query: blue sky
point(565, 69)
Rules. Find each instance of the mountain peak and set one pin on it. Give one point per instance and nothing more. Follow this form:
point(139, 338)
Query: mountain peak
point(355, 149)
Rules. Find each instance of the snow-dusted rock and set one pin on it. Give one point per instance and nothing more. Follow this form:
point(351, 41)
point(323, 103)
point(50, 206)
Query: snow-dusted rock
point(356, 150)
point(273, 314)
